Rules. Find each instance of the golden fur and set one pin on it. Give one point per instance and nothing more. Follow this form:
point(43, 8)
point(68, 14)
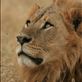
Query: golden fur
point(60, 45)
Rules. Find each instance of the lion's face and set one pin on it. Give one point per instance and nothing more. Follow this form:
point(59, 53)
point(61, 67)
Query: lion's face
point(43, 38)
point(42, 41)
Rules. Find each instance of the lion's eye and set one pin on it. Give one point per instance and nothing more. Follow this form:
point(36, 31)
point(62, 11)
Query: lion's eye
point(47, 25)
point(27, 23)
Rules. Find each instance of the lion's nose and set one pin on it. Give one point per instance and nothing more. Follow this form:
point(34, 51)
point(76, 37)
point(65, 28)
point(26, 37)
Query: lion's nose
point(23, 39)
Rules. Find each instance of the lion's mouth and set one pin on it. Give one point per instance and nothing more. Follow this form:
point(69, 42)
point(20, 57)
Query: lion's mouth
point(37, 60)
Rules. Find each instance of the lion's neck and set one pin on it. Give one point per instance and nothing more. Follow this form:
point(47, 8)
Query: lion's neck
point(46, 73)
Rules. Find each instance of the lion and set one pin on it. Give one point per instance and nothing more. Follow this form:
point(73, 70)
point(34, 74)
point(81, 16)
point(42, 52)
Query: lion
point(50, 43)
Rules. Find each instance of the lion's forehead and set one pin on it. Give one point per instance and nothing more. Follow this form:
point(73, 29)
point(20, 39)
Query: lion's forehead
point(43, 14)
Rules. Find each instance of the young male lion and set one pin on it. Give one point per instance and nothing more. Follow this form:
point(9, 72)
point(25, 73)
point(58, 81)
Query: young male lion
point(50, 43)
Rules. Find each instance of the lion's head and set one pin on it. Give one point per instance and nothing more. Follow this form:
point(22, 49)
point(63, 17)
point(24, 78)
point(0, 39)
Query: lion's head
point(51, 34)
point(42, 39)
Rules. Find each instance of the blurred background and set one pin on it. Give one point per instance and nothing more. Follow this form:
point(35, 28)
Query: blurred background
point(13, 16)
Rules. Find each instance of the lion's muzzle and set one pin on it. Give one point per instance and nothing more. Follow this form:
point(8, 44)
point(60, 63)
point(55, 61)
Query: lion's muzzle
point(36, 60)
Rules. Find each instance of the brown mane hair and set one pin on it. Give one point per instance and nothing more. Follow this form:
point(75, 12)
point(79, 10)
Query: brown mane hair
point(69, 67)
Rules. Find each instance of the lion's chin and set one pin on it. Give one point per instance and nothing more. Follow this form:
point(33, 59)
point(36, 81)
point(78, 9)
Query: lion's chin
point(23, 60)
point(27, 59)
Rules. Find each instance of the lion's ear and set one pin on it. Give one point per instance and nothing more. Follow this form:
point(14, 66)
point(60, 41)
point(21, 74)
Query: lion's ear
point(73, 17)
point(76, 17)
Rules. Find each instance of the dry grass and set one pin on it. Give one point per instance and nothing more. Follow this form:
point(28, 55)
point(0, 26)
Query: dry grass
point(14, 14)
